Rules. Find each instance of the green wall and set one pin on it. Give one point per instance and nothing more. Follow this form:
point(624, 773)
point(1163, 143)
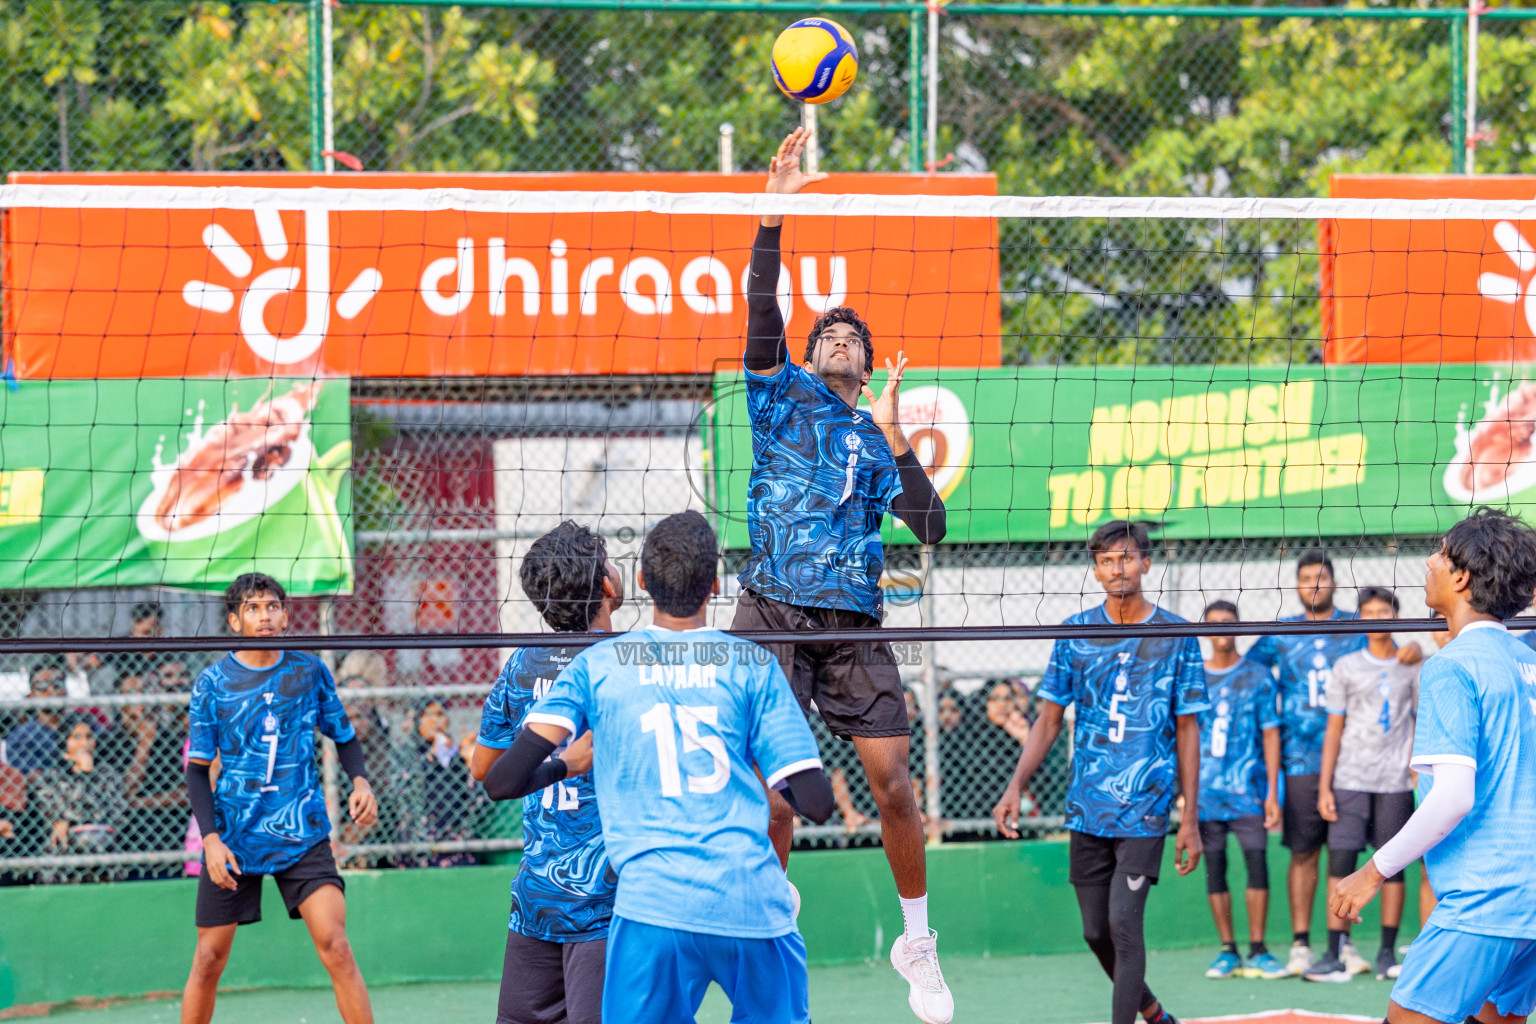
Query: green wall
point(987, 899)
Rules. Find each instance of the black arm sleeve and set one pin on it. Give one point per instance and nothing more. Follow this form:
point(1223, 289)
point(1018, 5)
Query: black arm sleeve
point(766, 345)
point(809, 793)
point(200, 795)
point(525, 768)
point(350, 754)
point(918, 504)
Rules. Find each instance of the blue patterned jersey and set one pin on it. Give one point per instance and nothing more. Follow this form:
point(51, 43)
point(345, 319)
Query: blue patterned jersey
point(679, 720)
point(1233, 782)
point(261, 724)
point(1306, 666)
point(1124, 754)
point(563, 889)
point(1477, 707)
point(822, 478)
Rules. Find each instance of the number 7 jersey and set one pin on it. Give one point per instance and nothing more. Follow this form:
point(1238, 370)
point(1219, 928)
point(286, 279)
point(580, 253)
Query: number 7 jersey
point(1127, 693)
point(261, 723)
point(679, 720)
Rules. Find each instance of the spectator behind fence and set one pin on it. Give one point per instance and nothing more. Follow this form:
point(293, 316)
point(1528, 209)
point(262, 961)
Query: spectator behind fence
point(33, 745)
point(435, 792)
point(372, 728)
point(154, 779)
point(147, 622)
point(79, 799)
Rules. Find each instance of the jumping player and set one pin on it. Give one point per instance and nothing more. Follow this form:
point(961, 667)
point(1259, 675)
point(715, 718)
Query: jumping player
point(562, 894)
point(1365, 792)
point(824, 473)
point(257, 712)
point(1305, 665)
point(1239, 787)
point(1135, 744)
point(1474, 748)
point(682, 718)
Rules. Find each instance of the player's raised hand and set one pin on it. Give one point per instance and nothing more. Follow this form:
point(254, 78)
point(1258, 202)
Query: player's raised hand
point(1006, 813)
point(220, 862)
point(362, 804)
point(785, 178)
point(1187, 846)
point(883, 407)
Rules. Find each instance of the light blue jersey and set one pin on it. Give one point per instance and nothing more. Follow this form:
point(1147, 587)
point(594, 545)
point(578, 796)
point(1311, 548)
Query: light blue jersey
point(679, 720)
point(1477, 707)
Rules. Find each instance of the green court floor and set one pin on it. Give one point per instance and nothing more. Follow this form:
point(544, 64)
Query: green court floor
point(1039, 990)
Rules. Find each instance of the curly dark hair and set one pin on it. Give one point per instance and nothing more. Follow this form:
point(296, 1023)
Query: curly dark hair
point(1117, 530)
point(1499, 551)
point(248, 586)
point(679, 562)
point(563, 574)
point(841, 315)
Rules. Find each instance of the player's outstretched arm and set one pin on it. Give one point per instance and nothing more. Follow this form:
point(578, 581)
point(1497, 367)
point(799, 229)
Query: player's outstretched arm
point(528, 766)
point(918, 504)
point(767, 349)
point(1036, 746)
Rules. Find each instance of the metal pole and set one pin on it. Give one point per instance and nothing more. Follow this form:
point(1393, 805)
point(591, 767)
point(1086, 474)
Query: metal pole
point(1474, 7)
point(726, 131)
point(329, 91)
point(933, 84)
point(1458, 97)
point(915, 94)
point(812, 144)
point(933, 779)
point(316, 84)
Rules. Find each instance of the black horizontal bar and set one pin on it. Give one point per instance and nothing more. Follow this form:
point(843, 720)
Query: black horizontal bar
point(903, 634)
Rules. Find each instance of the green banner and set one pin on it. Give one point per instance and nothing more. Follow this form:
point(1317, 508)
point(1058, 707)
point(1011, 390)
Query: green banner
point(110, 483)
point(1038, 454)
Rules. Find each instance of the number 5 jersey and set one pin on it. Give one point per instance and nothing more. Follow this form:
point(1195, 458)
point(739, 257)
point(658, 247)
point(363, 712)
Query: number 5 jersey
point(261, 725)
point(1127, 693)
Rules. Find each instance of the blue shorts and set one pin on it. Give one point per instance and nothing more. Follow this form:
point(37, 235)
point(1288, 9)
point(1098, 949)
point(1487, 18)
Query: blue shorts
point(1449, 975)
point(658, 976)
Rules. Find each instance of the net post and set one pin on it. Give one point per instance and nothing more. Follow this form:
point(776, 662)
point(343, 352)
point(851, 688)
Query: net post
point(726, 156)
point(933, 86)
point(933, 779)
point(316, 85)
point(1469, 143)
point(915, 91)
point(813, 142)
point(1458, 96)
point(328, 81)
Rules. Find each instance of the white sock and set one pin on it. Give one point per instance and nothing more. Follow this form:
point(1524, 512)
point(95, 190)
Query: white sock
point(914, 917)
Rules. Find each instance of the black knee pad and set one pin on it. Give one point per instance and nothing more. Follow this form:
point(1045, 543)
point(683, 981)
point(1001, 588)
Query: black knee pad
point(1341, 863)
point(1258, 869)
point(1216, 872)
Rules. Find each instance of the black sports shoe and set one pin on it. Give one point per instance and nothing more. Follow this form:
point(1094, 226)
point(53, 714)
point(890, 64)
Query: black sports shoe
point(1329, 968)
point(1386, 964)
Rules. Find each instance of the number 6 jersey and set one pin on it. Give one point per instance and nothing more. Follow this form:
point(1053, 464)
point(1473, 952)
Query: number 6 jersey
point(1127, 692)
point(679, 719)
point(261, 724)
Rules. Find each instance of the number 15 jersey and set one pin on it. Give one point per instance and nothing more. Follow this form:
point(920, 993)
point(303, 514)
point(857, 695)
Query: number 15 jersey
point(679, 718)
point(1124, 754)
point(261, 723)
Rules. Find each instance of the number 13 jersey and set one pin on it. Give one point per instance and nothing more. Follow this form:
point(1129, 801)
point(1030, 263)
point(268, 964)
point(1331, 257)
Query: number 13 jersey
point(1127, 692)
point(261, 723)
point(679, 719)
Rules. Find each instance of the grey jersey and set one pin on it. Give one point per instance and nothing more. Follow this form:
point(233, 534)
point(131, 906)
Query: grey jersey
point(1378, 699)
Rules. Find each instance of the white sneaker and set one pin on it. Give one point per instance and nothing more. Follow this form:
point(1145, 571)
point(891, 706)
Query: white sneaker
point(1301, 959)
point(1353, 961)
point(918, 962)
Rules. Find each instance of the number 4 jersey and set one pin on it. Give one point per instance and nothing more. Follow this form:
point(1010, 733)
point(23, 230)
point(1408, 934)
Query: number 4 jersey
point(563, 890)
point(1127, 693)
point(679, 720)
point(261, 724)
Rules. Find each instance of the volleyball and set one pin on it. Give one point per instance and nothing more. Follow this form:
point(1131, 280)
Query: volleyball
point(814, 60)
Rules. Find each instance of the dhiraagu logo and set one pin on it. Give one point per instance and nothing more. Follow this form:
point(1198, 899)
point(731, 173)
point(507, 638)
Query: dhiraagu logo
point(938, 427)
point(21, 496)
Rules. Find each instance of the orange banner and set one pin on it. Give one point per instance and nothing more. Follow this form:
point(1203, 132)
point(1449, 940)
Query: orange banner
point(221, 292)
point(1429, 291)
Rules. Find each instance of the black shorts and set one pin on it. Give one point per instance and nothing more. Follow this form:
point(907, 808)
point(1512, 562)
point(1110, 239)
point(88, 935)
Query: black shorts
point(315, 870)
point(1304, 831)
point(1248, 829)
point(1368, 819)
point(855, 687)
point(546, 982)
point(1095, 860)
